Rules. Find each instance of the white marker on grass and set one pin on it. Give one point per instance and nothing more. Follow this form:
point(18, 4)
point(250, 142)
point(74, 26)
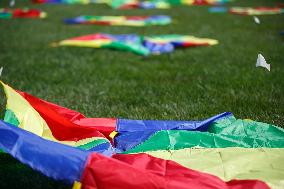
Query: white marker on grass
point(12, 3)
point(262, 62)
point(1, 69)
point(256, 20)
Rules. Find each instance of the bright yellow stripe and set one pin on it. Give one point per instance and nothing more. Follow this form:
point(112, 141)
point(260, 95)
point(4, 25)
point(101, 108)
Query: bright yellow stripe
point(113, 134)
point(77, 185)
point(266, 164)
point(87, 140)
point(27, 116)
point(191, 39)
point(83, 43)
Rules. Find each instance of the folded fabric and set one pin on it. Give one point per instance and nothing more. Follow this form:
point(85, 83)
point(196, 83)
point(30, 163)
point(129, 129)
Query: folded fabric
point(38, 131)
point(93, 170)
point(121, 20)
point(63, 125)
point(256, 11)
point(141, 45)
point(53, 122)
point(248, 10)
point(22, 13)
point(159, 4)
point(134, 4)
point(135, 132)
point(264, 164)
point(65, 1)
point(226, 131)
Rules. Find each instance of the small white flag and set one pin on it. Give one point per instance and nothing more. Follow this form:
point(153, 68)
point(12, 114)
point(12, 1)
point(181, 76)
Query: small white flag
point(256, 20)
point(12, 3)
point(1, 69)
point(261, 62)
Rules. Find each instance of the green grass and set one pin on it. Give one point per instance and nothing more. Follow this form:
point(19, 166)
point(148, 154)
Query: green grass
point(185, 85)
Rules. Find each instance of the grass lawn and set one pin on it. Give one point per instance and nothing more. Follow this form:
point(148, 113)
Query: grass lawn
point(185, 85)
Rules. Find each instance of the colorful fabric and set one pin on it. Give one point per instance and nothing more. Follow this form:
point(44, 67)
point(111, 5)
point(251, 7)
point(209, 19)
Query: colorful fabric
point(256, 11)
point(93, 170)
point(248, 10)
point(141, 45)
point(66, 1)
point(121, 20)
point(65, 145)
point(22, 13)
point(264, 164)
point(135, 132)
point(225, 131)
point(133, 4)
point(53, 122)
point(160, 4)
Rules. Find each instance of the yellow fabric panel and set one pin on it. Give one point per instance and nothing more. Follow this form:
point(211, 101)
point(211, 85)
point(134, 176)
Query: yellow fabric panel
point(186, 39)
point(27, 116)
point(113, 134)
point(82, 43)
point(30, 119)
point(128, 23)
point(77, 185)
point(266, 164)
point(85, 141)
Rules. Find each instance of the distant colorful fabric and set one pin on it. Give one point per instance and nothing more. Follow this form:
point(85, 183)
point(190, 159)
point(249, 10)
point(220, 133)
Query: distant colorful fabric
point(133, 4)
point(160, 4)
point(141, 45)
point(21, 13)
point(162, 154)
point(66, 1)
point(256, 11)
point(121, 20)
point(248, 10)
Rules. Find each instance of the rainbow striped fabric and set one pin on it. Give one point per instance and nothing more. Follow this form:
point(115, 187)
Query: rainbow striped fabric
point(21, 13)
point(121, 20)
point(141, 45)
point(132, 4)
point(219, 152)
point(257, 11)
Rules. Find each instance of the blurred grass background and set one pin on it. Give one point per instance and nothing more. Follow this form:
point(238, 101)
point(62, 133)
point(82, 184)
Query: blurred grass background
point(189, 84)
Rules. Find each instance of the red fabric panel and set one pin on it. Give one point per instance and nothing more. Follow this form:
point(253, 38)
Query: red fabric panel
point(68, 124)
point(136, 17)
point(142, 171)
point(194, 44)
point(201, 2)
point(38, 1)
point(130, 6)
point(90, 37)
point(32, 13)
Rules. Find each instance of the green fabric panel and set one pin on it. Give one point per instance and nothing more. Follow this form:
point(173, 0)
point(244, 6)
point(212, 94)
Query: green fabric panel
point(175, 139)
point(118, 3)
point(135, 48)
point(266, 164)
point(227, 132)
point(5, 15)
point(11, 118)
point(232, 126)
point(92, 144)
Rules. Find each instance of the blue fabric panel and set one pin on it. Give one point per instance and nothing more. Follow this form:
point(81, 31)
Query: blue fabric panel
point(158, 48)
point(104, 148)
point(129, 38)
point(127, 125)
point(134, 132)
point(54, 160)
point(128, 140)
